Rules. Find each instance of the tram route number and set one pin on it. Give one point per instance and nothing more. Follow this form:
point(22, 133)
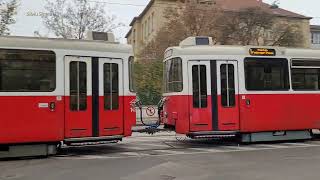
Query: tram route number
point(150, 111)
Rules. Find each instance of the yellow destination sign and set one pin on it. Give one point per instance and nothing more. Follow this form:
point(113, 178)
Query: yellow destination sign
point(262, 52)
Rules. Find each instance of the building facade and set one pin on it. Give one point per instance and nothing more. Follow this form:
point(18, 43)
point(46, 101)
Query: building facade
point(145, 26)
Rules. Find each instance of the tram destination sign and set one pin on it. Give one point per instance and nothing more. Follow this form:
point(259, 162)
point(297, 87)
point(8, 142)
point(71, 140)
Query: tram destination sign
point(262, 52)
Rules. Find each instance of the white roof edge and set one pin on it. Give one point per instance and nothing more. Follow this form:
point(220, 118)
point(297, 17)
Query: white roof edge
point(56, 39)
point(59, 43)
point(240, 50)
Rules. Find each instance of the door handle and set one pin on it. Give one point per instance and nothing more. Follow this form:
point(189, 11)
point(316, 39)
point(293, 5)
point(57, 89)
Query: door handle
point(248, 102)
point(52, 106)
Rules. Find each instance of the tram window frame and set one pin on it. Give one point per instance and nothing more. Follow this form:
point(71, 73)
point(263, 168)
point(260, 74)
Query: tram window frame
point(37, 68)
point(173, 75)
point(132, 83)
point(227, 78)
point(302, 66)
point(266, 64)
point(199, 86)
point(79, 79)
point(111, 95)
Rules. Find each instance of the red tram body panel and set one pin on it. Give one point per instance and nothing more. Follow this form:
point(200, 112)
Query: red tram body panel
point(22, 121)
point(54, 90)
point(257, 93)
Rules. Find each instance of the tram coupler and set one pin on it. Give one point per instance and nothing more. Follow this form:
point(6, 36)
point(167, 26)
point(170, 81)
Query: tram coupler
point(150, 130)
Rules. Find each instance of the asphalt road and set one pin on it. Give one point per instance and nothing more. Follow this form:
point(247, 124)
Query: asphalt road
point(164, 158)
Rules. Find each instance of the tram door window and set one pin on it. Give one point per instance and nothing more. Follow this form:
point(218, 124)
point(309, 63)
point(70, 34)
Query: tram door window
point(111, 86)
point(78, 86)
point(228, 96)
point(199, 81)
point(199, 87)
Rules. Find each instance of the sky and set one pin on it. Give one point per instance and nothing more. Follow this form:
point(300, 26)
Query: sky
point(125, 10)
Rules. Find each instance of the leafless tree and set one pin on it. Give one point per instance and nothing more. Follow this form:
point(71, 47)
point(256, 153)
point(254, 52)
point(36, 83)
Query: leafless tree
point(72, 19)
point(251, 26)
point(8, 10)
point(256, 26)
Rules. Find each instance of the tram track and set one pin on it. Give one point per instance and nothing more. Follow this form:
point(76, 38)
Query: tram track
point(152, 147)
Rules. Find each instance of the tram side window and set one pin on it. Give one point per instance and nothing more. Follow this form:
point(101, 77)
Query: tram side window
point(27, 70)
point(78, 86)
point(131, 75)
point(228, 97)
point(111, 86)
point(306, 78)
point(266, 74)
point(199, 86)
point(173, 75)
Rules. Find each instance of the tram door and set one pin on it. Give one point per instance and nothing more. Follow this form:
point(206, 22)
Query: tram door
point(111, 110)
point(214, 102)
point(78, 97)
point(200, 100)
point(93, 97)
point(228, 93)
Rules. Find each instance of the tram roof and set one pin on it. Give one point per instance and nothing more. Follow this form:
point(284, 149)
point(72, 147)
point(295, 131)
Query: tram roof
point(238, 51)
point(65, 44)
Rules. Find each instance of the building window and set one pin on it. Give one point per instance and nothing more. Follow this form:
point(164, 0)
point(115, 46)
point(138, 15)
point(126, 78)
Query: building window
point(111, 86)
point(152, 22)
point(145, 30)
point(27, 71)
point(142, 32)
point(134, 36)
point(316, 38)
point(228, 93)
point(266, 74)
point(173, 75)
point(149, 25)
point(78, 86)
point(199, 86)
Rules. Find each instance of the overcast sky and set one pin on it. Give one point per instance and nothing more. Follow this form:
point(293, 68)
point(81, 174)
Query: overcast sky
point(26, 25)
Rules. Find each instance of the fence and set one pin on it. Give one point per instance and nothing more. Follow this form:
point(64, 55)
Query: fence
point(149, 114)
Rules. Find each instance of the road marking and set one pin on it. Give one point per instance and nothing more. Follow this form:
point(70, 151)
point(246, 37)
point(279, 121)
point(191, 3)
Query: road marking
point(165, 151)
point(148, 140)
point(153, 138)
point(136, 148)
point(273, 146)
point(301, 144)
point(243, 148)
point(154, 145)
point(209, 150)
point(129, 153)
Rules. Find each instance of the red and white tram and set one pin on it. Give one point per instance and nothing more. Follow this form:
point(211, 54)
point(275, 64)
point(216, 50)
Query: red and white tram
point(258, 93)
point(54, 90)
